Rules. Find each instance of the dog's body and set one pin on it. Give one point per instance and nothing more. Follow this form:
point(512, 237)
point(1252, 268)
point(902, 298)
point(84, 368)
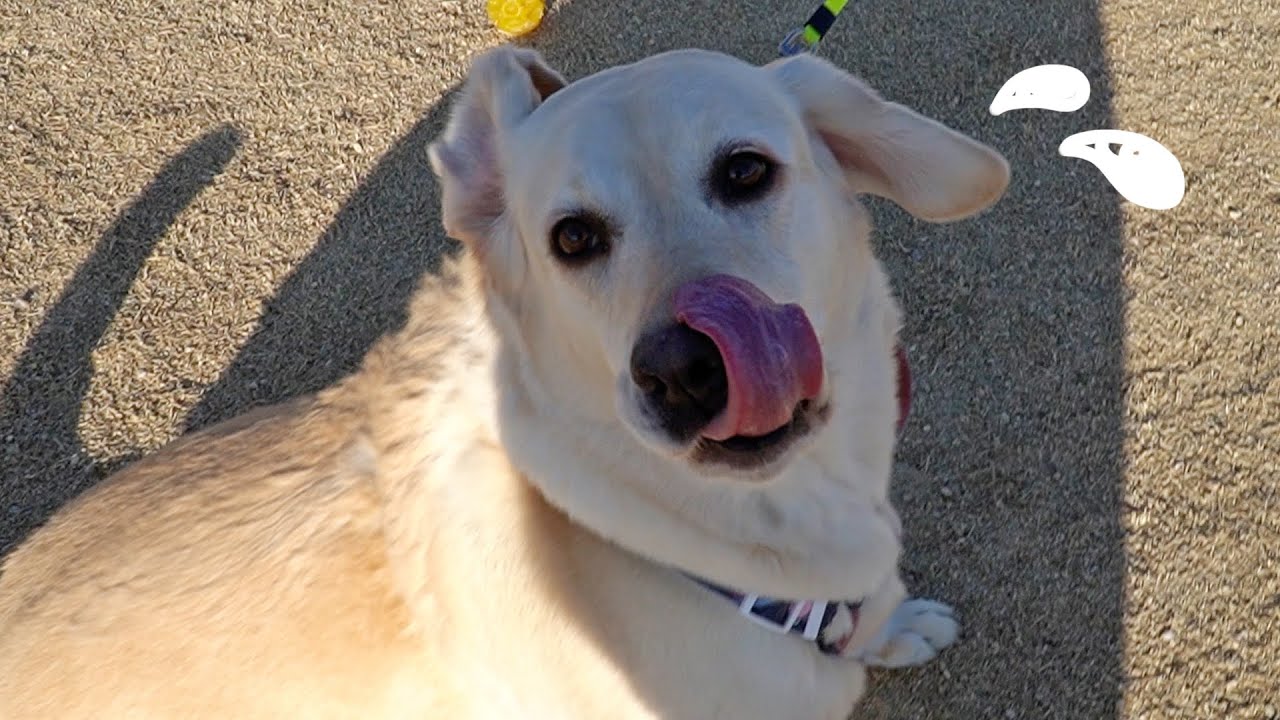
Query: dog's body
point(489, 519)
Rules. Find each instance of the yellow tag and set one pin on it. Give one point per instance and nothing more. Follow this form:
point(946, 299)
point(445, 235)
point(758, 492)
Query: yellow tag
point(516, 17)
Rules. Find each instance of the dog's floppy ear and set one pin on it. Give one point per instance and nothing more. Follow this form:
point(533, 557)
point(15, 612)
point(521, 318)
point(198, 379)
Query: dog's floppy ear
point(503, 87)
point(932, 171)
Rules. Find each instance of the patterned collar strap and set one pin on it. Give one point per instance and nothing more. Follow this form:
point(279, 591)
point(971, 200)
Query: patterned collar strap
point(829, 624)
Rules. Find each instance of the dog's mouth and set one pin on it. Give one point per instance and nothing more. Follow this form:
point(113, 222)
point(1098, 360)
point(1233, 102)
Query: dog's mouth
point(773, 370)
point(769, 353)
point(752, 452)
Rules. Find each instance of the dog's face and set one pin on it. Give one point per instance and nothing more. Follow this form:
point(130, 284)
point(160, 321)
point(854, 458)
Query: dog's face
point(680, 237)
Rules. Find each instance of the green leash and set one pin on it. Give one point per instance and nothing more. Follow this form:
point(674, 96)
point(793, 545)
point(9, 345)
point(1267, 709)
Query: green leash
point(807, 37)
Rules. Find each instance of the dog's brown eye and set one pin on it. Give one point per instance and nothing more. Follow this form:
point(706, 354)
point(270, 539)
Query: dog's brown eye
point(746, 170)
point(744, 176)
point(577, 239)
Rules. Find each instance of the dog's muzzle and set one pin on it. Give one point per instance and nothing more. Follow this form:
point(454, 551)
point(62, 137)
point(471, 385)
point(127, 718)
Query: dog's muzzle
point(735, 374)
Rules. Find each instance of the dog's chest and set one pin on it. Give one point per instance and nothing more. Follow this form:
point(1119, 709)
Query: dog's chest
point(565, 624)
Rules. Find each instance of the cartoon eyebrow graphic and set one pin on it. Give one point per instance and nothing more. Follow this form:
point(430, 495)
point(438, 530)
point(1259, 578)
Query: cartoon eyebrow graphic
point(1060, 88)
point(1145, 172)
point(1138, 167)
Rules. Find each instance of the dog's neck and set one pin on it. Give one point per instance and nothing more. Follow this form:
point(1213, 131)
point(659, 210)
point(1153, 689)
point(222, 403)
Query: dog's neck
point(821, 528)
point(429, 400)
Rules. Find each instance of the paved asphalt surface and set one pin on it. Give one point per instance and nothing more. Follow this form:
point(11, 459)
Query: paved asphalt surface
point(210, 206)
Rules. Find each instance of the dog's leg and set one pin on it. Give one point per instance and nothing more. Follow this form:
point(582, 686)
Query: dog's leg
point(913, 635)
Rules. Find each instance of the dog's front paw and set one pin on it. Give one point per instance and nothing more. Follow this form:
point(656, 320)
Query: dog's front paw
point(914, 634)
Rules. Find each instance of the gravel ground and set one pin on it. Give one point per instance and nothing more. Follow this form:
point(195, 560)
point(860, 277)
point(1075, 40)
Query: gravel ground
point(210, 206)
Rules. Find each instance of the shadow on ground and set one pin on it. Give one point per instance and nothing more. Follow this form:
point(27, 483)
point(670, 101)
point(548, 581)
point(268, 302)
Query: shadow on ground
point(41, 404)
point(1013, 465)
point(349, 291)
point(1015, 324)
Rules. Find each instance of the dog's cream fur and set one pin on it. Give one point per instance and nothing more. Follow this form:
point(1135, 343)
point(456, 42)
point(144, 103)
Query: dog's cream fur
point(479, 523)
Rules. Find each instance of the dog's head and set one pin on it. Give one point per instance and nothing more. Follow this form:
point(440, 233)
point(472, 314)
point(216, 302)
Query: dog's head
point(676, 241)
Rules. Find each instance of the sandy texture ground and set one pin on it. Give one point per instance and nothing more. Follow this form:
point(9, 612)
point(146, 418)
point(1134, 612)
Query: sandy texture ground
point(209, 206)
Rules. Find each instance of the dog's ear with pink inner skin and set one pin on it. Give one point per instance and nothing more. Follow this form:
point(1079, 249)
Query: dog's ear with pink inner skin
point(502, 88)
point(885, 149)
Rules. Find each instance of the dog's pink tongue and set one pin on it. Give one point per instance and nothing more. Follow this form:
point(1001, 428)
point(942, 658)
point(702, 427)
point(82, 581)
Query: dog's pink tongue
point(771, 354)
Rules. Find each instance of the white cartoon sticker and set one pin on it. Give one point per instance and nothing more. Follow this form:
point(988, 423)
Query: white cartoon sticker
point(1061, 88)
point(1139, 168)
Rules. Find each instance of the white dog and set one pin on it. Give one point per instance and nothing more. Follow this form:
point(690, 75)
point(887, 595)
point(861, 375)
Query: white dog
point(628, 459)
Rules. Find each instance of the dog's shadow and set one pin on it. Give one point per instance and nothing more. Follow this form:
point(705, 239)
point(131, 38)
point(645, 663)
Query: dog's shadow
point(42, 458)
point(352, 288)
point(1011, 489)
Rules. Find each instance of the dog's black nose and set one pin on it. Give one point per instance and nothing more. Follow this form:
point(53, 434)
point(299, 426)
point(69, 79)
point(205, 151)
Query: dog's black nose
point(682, 374)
